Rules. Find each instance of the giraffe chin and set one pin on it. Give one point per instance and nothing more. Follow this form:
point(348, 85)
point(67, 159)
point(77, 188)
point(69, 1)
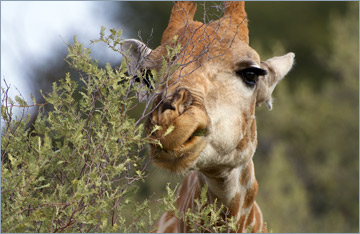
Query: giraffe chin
point(179, 160)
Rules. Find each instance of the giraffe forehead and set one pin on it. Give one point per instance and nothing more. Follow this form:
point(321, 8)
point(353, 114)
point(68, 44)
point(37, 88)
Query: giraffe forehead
point(211, 43)
point(208, 65)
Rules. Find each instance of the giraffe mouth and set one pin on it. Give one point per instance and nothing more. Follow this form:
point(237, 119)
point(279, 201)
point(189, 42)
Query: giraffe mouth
point(196, 135)
point(182, 157)
point(182, 136)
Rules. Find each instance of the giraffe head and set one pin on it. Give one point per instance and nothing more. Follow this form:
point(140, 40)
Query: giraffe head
point(206, 111)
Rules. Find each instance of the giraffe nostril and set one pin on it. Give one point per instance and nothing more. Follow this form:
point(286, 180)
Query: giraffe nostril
point(180, 100)
point(167, 106)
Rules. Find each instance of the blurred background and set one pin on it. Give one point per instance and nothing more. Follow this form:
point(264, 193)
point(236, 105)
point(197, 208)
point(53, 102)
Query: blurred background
point(307, 161)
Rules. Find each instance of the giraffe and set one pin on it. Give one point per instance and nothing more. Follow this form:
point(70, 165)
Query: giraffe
point(218, 83)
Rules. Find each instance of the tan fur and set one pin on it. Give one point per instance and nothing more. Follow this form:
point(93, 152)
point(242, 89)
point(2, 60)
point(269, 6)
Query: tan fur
point(207, 94)
point(235, 204)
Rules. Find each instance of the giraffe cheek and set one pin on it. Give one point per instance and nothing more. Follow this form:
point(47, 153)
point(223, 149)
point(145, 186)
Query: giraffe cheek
point(243, 144)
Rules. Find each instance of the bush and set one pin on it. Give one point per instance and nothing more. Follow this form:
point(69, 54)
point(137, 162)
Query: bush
point(77, 168)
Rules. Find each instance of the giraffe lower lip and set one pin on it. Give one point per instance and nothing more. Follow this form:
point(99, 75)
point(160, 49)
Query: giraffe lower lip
point(198, 133)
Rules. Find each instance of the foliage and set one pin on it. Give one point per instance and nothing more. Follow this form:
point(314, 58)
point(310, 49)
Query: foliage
point(211, 217)
point(76, 169)
point(204, 217)
point(312, 138)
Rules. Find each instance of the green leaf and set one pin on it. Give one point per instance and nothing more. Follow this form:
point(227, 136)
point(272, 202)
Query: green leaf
point(21, 101)
point(43, 186)
point(169, 130)
point(155, 128)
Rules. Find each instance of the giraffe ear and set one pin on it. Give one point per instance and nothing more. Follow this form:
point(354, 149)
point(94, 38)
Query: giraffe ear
point(277, 68)
point(137, 59)
point(135, 52)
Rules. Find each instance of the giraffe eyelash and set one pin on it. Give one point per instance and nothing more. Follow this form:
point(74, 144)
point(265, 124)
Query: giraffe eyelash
point(250, 75)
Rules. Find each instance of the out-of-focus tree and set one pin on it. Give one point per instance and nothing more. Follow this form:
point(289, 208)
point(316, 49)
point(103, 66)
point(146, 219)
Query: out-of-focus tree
point(301, 27)
point(145, 20)
point(283, 197)
point(318, 132)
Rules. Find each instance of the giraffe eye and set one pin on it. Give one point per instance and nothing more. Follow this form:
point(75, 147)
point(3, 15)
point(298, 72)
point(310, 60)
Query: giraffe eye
point(250, 78)
point(251, 75)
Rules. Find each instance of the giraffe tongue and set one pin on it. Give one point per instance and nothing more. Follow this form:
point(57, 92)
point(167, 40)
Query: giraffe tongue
point(200, 132)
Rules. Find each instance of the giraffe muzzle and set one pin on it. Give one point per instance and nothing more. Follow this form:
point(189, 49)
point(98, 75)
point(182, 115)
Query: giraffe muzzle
point(183, 131)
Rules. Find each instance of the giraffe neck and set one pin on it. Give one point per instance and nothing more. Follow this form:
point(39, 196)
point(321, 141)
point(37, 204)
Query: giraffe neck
point(227, 184)
point(236, 189)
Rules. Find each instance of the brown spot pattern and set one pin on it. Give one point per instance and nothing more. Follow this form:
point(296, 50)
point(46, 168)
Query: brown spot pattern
point(241, 223)
point(250, 218)
point(242, 145)
point(257, 215)
point(250, 195)
point(170, 228)
point(235, 204)
point(253, 130)
point(246, 174)
point(249, 132)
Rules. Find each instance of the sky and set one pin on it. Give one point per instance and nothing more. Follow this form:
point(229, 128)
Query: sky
point(30, 30)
